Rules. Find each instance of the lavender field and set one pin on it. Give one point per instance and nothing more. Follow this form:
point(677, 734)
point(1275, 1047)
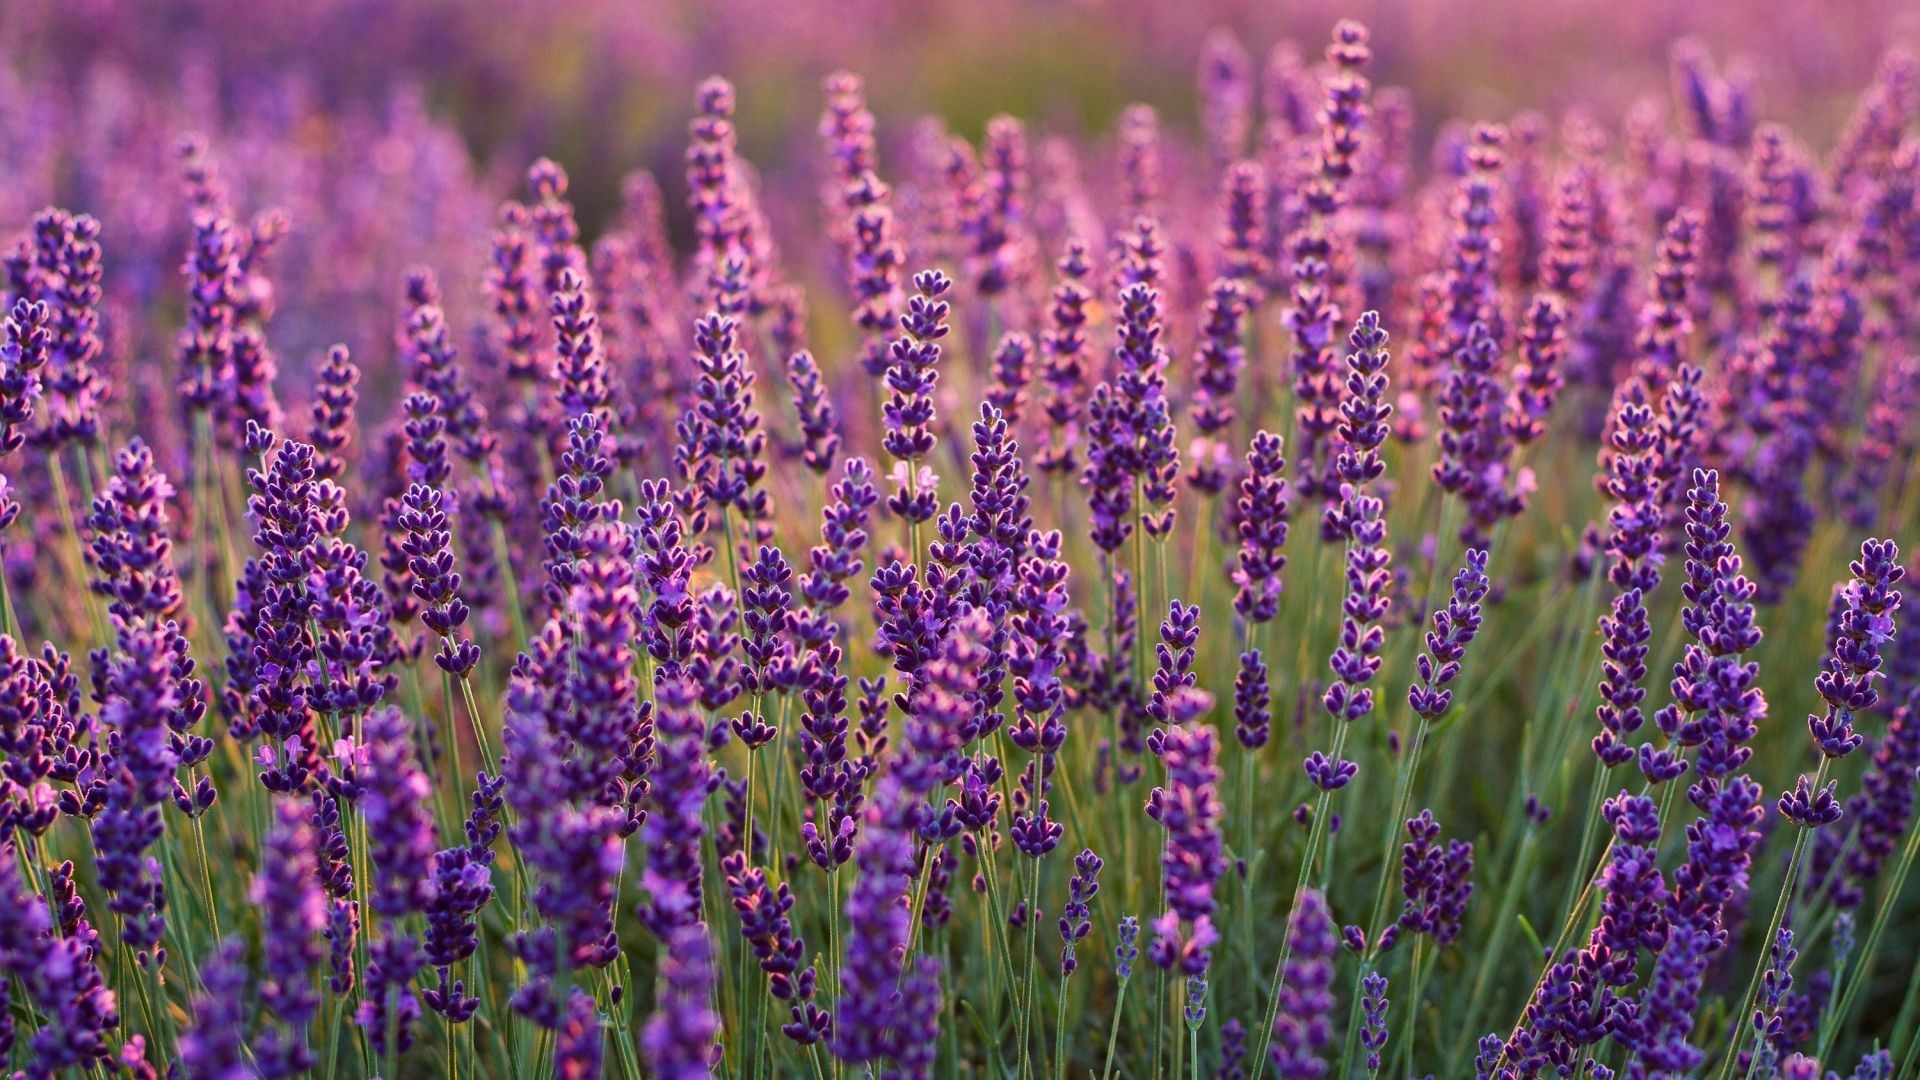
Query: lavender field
point(1004, 540)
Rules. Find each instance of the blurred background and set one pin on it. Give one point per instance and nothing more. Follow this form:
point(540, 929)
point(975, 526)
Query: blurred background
point(389, 130)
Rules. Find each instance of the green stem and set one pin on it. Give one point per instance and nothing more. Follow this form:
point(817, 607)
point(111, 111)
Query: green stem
point(1889, 899)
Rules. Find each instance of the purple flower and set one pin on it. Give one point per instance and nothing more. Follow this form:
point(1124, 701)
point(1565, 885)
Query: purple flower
point(1717, 704)
point(1226, 95)
point(766, 925)
point(1063, 348)
point(433, 368)
point(462, 885)
point(994, 215)
point(572, 852)
point(132, 558)
point(388, 1001)
point(1359, 519)
point(1683, 417)
point(721, 442)
point(1233, 1051)
point(1434, 880)
point(54, 964)
point(680, 783)
point(1218, 358)
point(575, 500)
point(1768, 1026)
point(334, 397)
point(1194, 857)
point(1252, 702)
point(1577, 1001)
point(139, 698)
point(1666, 1014)
point(1302, 1028)
point(512, 295)
point(294, 909)
point(579, 1043)
point(1454, 627)
point(1537, 380)
point(678, 1041)
point(429, 550)
point(556, 234)
point(1865, 624)
point(1127, 951)
point(912, 373)
point(23, 355)
point(1666, 319)
point(1373, 1005)
point(1176, 697)
point(1470, 406)
point(1885, 807)
point(868, 1019)
point(580, 367)
point(204, 347)
point(287, 528)
point(217, 1043)
point(1076, 919)
point(396, 803)
point(1632, 543)
point(1779, 519)
point(819, 426)
point(74, 388)
point(343, 928)
point(1260, 519)
point(1038, 633)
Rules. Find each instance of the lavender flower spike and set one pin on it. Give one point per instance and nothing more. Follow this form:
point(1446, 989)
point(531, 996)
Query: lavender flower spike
point(1845, 682)
point(1302, 1028)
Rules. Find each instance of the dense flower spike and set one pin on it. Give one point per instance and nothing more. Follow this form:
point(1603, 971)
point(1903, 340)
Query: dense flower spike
point(1194, 858)
point(1434, 880)
point(140, 696)
point(1717, 704)
point(1218, 359)
point(288, 893)
point(1868, 604)
point(1454, 627)
point(1359, 519)
point(1303, 1029)
point(912, 374)
point(678, 1043)
point(1632, 569)
point(1261, 521)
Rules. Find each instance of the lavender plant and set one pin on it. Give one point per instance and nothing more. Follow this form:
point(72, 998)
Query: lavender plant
point(583, 633)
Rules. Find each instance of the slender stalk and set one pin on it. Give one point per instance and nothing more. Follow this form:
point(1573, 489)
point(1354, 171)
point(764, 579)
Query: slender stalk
point(1802, 833)
point(1113, 1031)
point(1889, 900)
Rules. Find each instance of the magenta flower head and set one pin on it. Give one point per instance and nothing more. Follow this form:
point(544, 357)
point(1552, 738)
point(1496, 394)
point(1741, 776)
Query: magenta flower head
point(1865, 626)
point(868, 1020)
point(1194, 858)
point(140, 696)
point(1226, 95)
point(23, 354)
point(1218, 359)
point(1063, 351)
point(1076, 918)
point(912, 374)
point(1717, 702)
point(1454, 627)
point(288, 894)
point(1435, 880)
point(678, 1041)
point(397, 805)
point(1303, 1027)
point(1260, 519)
